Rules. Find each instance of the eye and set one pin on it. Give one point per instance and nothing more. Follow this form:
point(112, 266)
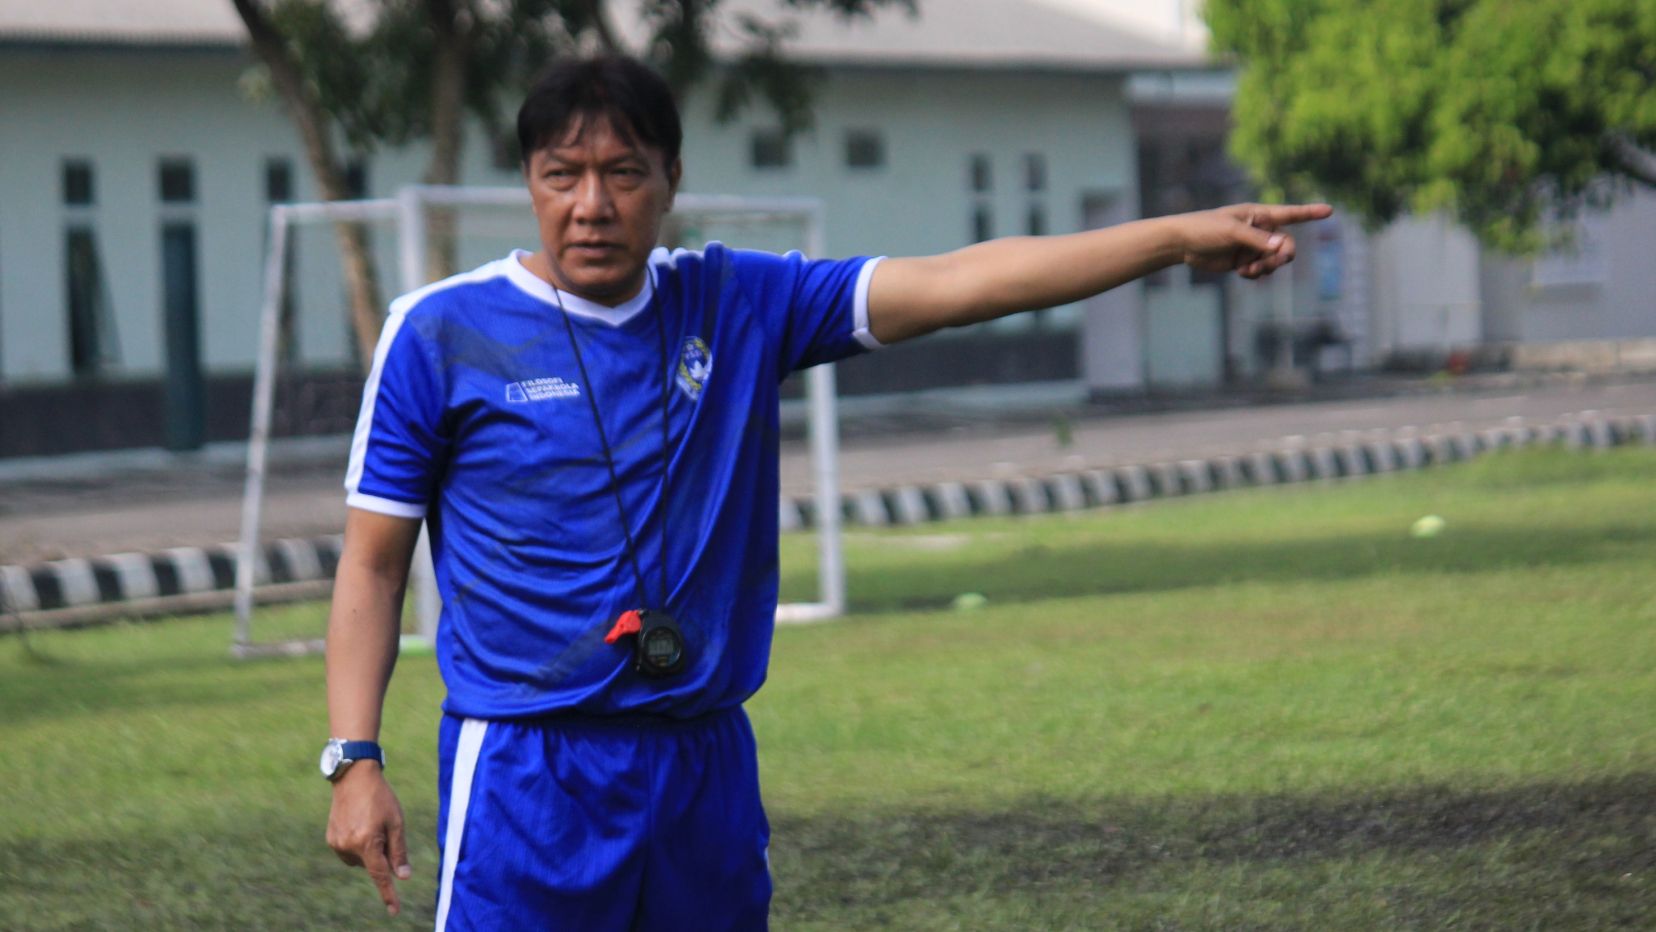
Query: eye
point(558, 176)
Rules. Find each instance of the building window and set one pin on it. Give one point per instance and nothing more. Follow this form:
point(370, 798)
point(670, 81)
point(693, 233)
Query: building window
point(983, 223)
point(92, 343)
point(177, 181)
point(278, 178)
point(980, 178)
point(278, 181)
point(183, 388)
point(77, 183)
point(91, 325)
point(1153, 195)
point(503, 151)
point(770, 149)
point(864, 148)
point(356, 179)
point(1035, 172)
point(1578, 255)
point(1037, 222)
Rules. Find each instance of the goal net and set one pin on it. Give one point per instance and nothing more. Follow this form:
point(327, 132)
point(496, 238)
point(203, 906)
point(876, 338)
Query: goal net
point(305, 335)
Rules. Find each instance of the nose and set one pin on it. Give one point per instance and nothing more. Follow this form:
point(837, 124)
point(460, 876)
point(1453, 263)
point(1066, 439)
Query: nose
point(593, 203)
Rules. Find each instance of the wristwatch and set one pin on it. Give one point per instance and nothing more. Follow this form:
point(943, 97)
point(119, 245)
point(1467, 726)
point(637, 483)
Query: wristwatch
point(339, 754)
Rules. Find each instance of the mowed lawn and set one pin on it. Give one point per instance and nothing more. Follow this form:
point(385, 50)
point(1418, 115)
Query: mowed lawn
point(1271, 709)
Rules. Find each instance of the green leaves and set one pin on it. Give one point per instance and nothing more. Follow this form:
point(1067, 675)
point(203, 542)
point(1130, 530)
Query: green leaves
point(1503, 112)
point(372, 71)
point(335, 63)
point(759, 71)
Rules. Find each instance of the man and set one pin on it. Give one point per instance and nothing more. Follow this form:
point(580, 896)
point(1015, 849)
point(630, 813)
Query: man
point(590, 431)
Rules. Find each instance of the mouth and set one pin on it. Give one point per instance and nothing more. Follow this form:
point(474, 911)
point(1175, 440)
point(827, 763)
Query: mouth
point(593, 250)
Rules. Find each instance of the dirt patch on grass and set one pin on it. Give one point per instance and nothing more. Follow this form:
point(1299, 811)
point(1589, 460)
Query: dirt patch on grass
point(1579, 854)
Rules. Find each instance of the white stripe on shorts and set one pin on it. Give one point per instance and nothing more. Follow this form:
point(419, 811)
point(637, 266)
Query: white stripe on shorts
point(465, 764)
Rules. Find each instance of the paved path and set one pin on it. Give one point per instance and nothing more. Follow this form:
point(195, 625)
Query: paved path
point(993, 449)
point(146, 501)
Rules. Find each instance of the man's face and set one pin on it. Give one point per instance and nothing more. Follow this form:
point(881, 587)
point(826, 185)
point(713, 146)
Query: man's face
point(599, 201)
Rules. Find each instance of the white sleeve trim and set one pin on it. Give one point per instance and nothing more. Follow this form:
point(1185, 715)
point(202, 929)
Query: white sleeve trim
point(384, 506)
point(860, 313)
point(370, 394)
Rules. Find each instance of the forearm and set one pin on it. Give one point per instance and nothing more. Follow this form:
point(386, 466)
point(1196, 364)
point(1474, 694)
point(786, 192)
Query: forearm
point(363, 628)
point(1006, 276)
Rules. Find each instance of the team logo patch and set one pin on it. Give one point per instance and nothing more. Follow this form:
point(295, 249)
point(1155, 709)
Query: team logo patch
point(695, 364)
point(528, 390)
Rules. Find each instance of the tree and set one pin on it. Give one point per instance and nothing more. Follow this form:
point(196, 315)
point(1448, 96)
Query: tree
point(392, 72)
point(1502, 112)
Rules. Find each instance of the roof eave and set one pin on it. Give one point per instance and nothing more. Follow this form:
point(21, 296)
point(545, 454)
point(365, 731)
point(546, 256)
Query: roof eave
point(950, 60)
point(956, 62)
point(115, 42)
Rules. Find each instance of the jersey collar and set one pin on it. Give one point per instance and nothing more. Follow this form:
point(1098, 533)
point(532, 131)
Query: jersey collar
point(538, 288)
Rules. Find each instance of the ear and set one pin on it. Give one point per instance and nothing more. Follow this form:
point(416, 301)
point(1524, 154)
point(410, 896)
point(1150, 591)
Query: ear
point(675, 172)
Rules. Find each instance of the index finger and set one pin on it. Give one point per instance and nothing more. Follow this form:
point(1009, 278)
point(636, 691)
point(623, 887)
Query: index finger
point(379, 870)
point(1285, 214)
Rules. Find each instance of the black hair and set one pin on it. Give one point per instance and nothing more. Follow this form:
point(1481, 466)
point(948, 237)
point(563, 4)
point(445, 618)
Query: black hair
point(634, 99)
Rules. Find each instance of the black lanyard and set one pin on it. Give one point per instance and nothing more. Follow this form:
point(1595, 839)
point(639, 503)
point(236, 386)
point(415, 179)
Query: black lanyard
point(609, 456)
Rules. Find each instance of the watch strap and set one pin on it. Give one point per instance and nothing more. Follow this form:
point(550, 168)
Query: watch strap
point(353, 751)
point(338, 755)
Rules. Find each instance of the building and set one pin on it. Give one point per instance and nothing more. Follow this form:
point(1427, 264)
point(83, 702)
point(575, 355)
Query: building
point(137, 174)
point(1421, 294)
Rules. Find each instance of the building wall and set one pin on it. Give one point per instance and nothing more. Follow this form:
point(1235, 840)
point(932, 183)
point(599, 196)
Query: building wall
point(124, 110)
point(1426, 294)
point(1601, 288)
point(932, 123)
point(1436, 290)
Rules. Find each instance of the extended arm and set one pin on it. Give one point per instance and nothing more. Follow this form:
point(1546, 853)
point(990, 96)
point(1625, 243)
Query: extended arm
point(365, 825)
point(914, 296)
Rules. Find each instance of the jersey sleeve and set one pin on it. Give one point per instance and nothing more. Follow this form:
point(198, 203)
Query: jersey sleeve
point(399, 444)
point(815, 310)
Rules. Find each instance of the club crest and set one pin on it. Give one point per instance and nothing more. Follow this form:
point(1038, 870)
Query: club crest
point(695, 364)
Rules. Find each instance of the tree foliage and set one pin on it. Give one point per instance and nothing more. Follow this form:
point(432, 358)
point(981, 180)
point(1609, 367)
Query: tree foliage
point(1502, 112)
point(391, 72)
point(372, 66)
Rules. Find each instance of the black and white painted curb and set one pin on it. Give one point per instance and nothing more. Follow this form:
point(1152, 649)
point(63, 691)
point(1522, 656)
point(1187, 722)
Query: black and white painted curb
point(1138, 482)
point(186, 578)
point(173, 580)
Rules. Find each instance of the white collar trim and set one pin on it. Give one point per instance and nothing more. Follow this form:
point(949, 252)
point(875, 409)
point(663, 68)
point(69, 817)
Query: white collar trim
point(537, 287)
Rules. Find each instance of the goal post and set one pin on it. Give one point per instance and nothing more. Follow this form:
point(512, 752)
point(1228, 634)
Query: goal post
point(283, 218)
point(486, 219)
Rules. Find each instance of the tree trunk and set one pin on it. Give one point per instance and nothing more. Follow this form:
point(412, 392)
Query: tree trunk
point(361, 282)
point(451, 23)
point(598, 14)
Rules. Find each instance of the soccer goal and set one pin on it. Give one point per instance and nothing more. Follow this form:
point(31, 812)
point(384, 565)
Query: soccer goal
point(304, 324)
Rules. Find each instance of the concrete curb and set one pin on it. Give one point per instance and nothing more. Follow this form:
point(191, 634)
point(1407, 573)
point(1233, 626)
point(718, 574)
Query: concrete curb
point(1139, 482)
point(182, 579)
point(179, 579)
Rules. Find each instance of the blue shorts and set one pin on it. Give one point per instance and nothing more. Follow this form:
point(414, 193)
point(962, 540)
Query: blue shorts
point(596, 824)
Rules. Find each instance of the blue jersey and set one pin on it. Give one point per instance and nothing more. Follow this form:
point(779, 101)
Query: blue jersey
point(477, 418)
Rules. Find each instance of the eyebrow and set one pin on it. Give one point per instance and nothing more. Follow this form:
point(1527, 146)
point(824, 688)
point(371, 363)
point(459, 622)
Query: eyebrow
point(632, 155)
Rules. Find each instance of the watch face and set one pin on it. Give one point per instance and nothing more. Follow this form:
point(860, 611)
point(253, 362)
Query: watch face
point(331, 755)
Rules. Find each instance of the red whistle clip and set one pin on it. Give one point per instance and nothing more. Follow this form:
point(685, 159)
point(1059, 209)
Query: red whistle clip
point(629, 623)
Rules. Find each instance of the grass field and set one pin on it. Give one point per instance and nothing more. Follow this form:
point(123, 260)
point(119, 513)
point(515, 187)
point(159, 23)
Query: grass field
point(1270, 709)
